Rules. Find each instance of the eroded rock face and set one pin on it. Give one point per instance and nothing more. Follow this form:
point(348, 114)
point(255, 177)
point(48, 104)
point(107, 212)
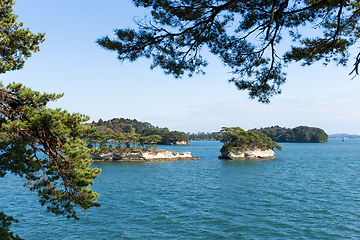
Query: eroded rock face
point(182, 143)
point(177, 143)
point(248, 154)
point(167, 155)
point(139, 156)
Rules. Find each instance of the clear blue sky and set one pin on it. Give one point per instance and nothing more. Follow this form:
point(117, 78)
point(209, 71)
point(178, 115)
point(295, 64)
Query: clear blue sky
point(96, 84)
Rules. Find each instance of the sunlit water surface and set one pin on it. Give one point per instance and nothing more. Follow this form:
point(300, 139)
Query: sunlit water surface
point(310, 191)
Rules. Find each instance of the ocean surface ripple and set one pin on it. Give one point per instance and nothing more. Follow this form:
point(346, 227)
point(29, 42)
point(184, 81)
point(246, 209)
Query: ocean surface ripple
point(309, 191)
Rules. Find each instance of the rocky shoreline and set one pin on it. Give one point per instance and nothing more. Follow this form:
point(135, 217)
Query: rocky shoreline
point(140, 156)
point(248, 154)
point(176, 143)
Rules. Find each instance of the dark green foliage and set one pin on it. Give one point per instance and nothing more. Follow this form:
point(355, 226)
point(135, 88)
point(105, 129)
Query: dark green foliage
point(43, 145)
point(301, 134)
point(121, 125)
point(40, 144)
point(148, 141)
point(203, 136)
point(239, 139)
point(133, 126)
point(173, 137)
point(100, 122)
point(103, 146)
point(104, 142)
point(245, 35)
point(5, 222)
point(16, 43)
point(154, 131)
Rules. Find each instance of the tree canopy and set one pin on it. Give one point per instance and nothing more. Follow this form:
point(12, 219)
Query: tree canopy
point(203, 136)
point(133, 126)
point(238, 138)
point(300, 134)
point(245, 35)
point(16, 43)
point(43, 145)
point(40, 144)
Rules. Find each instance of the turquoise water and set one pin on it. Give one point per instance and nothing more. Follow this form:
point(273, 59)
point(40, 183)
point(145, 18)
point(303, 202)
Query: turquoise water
point(310, 191)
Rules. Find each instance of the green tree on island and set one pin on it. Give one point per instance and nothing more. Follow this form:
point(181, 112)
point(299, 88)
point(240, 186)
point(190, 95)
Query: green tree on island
point(37, 143)
point(239, 139)
point(149, 141)
point(245, 35)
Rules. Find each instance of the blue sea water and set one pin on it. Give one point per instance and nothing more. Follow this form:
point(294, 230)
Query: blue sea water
point(309, 191)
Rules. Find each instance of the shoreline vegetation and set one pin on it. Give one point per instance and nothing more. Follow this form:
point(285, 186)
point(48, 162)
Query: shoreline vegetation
point(121, 139)
point(300, 134)
point(240, 144)
point(130, 130)
point(123, 129)
point(126, 140)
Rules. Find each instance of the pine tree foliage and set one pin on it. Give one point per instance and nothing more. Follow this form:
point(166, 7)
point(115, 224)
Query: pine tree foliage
point(133, 126)
point(43, 145)
point(245, 35)
point(16, 43)
point(40, 144)
point(239, 139)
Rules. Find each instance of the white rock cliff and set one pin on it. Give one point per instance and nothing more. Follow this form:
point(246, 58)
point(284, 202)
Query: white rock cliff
point(139, 156)
point(248, 154)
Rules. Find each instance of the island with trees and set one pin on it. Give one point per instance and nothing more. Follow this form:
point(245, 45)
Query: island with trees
point(173, 37)
point(111, 129)
point(240, 144)
point(300, 134)
point(117, 140)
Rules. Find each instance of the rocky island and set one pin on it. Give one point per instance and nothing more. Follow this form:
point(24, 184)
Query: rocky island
point(141, 156)
point(248, 154)
point(126, 140)
point(240, 145)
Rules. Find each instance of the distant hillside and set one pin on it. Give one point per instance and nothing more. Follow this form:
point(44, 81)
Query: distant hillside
point(344, 135)
point(121, 125)
point(133, 126)
point(301, 134)
point(203, 136)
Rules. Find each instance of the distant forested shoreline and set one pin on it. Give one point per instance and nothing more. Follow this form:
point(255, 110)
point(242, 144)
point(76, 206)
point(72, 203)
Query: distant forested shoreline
point(203, 136)
point(134, 127)
point(300, 134)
